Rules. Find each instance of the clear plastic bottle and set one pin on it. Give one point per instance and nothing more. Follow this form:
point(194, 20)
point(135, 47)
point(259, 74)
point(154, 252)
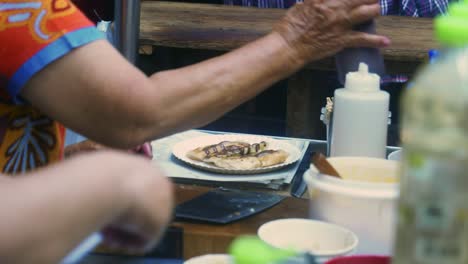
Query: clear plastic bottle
point(432, 56)
point(433, 208)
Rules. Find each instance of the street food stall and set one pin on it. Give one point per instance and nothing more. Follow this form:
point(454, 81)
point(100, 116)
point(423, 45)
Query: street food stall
point(255, 196)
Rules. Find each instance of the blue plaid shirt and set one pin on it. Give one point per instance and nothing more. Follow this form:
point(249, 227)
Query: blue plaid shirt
point(414, 8)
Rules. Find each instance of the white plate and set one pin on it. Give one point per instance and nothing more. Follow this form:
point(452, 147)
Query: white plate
point(180, 151)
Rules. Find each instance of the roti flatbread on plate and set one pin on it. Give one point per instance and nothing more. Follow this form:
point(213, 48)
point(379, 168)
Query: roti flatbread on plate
point(238, 155)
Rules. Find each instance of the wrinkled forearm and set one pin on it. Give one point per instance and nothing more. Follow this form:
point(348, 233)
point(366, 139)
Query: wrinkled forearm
point(190, 97)
point(98, 94)
point(198, 94)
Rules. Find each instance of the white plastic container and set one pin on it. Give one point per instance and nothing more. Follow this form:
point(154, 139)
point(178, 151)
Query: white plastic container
point(211, 259)
point(323, 240)
point(395, 155)
point(365, 201)
point(360, 116)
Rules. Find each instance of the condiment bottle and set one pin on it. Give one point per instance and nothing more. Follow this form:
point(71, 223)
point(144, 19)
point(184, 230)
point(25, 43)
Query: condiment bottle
point(360, 116)
point(432, 56)
point(348, 59)
point(433, 209)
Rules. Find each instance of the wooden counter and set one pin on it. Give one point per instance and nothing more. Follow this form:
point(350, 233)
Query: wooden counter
point(199, 238)
point(218, 27)
point(223, 28)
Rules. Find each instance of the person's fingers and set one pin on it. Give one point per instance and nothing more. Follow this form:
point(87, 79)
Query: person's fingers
point(147, 150)
point(306, 2)
point(364, 13)
point(356, 3)
point(360, 39)
point(121, 239)
point(137, 149)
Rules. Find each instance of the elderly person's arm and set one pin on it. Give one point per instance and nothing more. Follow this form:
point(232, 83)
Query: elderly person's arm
point(94, 91)
point(45, 214)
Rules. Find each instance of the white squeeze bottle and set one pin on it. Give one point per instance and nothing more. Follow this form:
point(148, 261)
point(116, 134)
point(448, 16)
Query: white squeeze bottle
point(360, 116)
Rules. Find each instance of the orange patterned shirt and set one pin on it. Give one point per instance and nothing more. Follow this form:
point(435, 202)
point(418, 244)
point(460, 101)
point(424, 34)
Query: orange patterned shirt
point(32, 35)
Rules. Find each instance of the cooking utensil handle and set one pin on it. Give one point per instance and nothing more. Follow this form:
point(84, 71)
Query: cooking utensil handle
point(298, 185)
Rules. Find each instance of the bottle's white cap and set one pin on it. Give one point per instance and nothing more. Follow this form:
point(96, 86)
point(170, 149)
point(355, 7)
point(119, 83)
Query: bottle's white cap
point(362, 80)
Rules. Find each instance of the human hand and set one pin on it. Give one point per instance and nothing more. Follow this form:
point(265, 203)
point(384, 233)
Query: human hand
point(316, 29)
point(141, 226)
point(145, 149)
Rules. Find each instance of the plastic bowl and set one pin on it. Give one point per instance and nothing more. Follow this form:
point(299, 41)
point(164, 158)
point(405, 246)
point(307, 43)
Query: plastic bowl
point(211, 259)
point(361, 260)
point(364, 202)
point(324, 240)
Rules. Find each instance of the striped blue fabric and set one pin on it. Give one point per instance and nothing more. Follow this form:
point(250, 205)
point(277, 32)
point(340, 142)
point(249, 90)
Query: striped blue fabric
point(263, 3)
point(414, 8)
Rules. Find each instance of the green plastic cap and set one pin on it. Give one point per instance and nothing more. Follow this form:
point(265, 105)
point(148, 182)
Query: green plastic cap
point(452, 29)
point(252, 250)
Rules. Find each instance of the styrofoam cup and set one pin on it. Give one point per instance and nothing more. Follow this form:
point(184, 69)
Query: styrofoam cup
point(323, 240)
point(364, 201)
point(211, 259)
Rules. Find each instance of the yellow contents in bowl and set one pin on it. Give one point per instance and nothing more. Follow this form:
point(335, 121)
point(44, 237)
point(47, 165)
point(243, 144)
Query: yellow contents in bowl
point(357, 174)
point(383, 171)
